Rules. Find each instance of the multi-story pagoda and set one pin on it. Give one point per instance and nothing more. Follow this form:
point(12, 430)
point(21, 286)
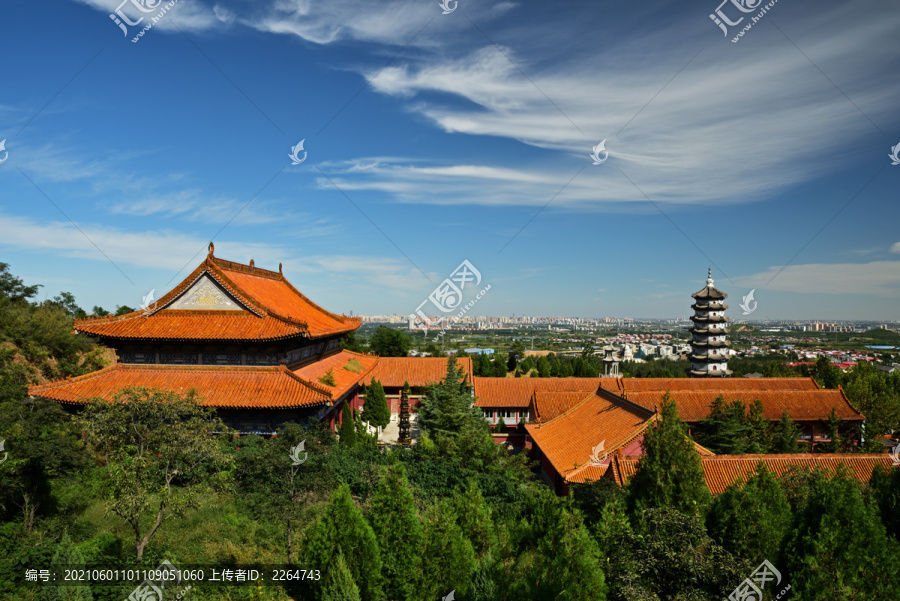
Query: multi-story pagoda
point(709, 347)
point(243, 338)
point(404, 438)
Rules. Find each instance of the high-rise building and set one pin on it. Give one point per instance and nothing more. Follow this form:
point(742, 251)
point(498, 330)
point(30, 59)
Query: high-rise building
point(709, 347)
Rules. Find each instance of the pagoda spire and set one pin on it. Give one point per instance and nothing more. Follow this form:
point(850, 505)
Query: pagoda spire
point(709, 346)
point(403, 422)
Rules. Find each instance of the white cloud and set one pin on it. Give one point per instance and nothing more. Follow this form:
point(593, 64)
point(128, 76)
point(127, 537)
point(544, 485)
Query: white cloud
point(877, 278)
point(895, 248)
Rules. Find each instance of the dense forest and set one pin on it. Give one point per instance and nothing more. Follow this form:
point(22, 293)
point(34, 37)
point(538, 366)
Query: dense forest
point(156, 477)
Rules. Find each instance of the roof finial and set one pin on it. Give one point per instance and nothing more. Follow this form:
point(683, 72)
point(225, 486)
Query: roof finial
point(211, 249)
point(252, 264)
point(279, 269)
point(709, 280)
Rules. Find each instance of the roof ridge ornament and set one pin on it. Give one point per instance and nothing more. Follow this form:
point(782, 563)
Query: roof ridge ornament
point(709, 279)
point(212, 248)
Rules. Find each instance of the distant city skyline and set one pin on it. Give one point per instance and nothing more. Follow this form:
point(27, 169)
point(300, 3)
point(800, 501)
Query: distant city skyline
point(587, 160)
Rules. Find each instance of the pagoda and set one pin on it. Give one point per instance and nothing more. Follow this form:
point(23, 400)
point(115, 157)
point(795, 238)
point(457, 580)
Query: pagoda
point(242, 338)
point(403, 422)
point(709, 347)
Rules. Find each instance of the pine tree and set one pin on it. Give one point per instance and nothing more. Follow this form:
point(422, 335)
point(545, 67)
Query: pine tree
point(448, 406)
point(67, 556)
point(375, 410)
point(398, 532)
point(785, 436)
point(499, 368)
point(670, 473)
point(339, 585)
point(342, 529)
point(347, 431)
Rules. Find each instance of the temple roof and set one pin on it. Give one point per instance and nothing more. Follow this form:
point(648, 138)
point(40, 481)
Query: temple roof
point(801, 405)
point(347, 367)
point(224, 300)
point(710, 292)
point(393, 372)
point(571, 439)
point(720, 471)
point(222, 386)
point(518, 392)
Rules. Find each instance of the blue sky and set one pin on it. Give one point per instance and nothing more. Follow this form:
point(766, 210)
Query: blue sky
point(434, 138)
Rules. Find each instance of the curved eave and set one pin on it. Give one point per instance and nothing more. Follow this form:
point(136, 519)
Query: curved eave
point(708, 332)
point(709, 318)
point(709, 306)
point(711, 344)
point(713, 374)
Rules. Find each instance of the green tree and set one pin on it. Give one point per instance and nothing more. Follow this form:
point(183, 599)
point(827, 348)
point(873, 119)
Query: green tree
point(751, 519)
point(837, 548)
point(499, 368)
point(375, 409)
point(123, 309)
point(99, 311)
point(448, 405)
point(342, 529)
point(672, 557)
point(398, 532)
point(339, 585)
point(66, 301)
point(390, 342)
point(785, 438)
point(670, 473)
point(157, 447)
point(41, 447)
point(501, 426)
point(560, 559)
point(836, 441)
point(734, 428)
point(447, 559)
point(12, 287)
point(884, 488)
point(543, 367)
point(351, 342)
point(347, 430)
point(67, 557)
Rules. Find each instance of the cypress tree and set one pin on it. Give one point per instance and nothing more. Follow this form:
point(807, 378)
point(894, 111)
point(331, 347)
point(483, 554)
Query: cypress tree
point(347, 431)
point(67, 556)
point(376, 411)
point(751, 519)
point(447, 559)
point(339, 585)
point(838, 547)
point(342, 529)
point(398, 532)
point(670, 473)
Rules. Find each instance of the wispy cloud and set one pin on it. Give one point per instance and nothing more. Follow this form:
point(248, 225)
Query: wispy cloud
point(876, 278)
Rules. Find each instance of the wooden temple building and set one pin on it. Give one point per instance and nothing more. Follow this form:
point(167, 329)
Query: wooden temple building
point(243, 338)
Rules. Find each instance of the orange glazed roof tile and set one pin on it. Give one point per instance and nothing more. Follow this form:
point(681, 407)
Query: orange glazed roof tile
point(721, 471)
point(271, 308)
point(418, 371)
point(224, 386)
point(629, 385)
point(518, 392)
point(549, 404)
point(801, 405)
point(569, 440)
point(349, 369)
